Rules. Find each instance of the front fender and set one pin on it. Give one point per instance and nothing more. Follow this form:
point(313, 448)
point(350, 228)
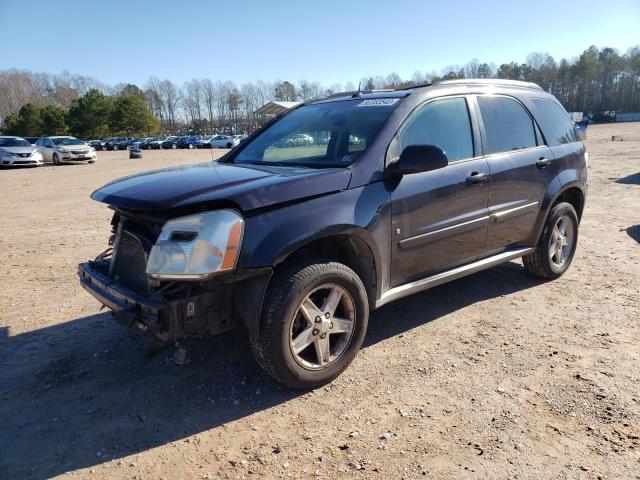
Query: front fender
point(272, 236)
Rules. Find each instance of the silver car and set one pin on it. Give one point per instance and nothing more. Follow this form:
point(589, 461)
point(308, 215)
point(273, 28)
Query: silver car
point(59, 150)
point(18, 152)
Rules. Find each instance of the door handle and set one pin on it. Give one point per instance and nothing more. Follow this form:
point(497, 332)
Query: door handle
point(475, 178)
point(542, 162)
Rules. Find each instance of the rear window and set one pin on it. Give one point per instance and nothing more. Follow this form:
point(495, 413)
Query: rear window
point(508, 126)
point(559, 128)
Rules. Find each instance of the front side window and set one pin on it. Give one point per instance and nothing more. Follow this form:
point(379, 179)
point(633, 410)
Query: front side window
point(508, 126)
point(559, 127)
point(444, 123)
point(331, 134)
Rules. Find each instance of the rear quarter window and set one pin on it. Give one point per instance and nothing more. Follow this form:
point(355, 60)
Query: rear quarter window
point(558, 127)
point(508, 126)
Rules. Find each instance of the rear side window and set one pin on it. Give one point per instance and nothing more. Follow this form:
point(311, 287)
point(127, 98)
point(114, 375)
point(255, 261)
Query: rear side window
point(508, 126)
point(559, 127)
point(444, 123)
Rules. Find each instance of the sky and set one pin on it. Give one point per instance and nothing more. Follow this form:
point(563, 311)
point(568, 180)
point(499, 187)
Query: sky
point(330, 41)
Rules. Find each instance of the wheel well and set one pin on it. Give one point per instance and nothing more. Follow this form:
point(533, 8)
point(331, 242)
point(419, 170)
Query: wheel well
point(348, 250)
point(575, 197)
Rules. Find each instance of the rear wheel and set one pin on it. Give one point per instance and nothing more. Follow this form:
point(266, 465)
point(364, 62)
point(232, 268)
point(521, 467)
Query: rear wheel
point(56, 159)
point(557, 243)
point(314, 320)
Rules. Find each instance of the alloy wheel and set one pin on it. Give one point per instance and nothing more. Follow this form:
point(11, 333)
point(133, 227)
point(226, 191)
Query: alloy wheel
point(562, 241)
point(322, 327)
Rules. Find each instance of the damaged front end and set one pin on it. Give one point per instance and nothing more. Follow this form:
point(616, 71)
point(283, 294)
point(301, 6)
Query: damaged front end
point(170, 303)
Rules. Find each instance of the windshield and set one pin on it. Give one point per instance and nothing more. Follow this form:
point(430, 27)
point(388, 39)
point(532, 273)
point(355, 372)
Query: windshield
point(13, 142)
point(330, 134)
point(170, 139)
point(67, 141)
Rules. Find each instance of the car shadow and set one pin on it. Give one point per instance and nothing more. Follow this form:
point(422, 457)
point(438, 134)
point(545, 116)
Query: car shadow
point(634, 232)
point(633, 179)
point(80, 393)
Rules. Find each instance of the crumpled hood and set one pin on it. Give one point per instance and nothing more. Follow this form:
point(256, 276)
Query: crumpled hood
point(248, 186)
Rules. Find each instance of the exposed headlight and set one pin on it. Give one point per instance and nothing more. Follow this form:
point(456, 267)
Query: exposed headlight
point(197, 246)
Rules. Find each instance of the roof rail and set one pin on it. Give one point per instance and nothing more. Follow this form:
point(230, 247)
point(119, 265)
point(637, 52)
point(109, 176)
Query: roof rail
point(352, 92)
point(491, 81)
point(411, 87)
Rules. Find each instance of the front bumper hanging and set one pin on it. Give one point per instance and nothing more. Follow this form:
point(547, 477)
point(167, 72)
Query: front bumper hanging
point(128, 306)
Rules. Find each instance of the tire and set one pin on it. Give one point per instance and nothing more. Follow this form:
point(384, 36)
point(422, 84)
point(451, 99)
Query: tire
point(551, 259)
point(229, 145)
point(282, 320)
point(174, 146)
point(191, 146)
point(56, 159)
point(91, 161)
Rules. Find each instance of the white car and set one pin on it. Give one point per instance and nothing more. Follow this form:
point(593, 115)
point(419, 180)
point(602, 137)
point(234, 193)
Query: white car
point(224, 141)
point(59, 150)
point(18, 152)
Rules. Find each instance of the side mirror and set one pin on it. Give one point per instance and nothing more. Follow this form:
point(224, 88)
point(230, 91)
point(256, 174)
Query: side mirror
point(419, 158)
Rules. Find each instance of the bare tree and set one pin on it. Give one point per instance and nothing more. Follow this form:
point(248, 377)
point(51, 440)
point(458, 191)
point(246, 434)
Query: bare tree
point(170, 101)
point(209, 96)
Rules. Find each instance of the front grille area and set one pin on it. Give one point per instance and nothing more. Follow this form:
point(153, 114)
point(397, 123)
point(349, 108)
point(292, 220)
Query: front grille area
point(80, 152)
point(130, 262)
point(24, 155)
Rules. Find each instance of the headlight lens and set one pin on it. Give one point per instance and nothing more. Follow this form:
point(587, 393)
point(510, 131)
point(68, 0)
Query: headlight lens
point(197, 246)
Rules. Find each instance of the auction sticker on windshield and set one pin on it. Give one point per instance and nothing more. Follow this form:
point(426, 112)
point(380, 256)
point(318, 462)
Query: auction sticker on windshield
point(378, 102)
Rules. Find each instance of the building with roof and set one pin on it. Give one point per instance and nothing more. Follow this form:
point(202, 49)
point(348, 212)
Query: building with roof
point(275, 108)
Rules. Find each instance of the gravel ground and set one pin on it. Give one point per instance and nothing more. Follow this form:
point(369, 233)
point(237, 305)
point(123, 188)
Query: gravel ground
point(498, 375)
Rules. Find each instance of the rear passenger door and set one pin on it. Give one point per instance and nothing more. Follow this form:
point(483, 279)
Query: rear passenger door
point(439, 217)
point(560, 134)
point(521, 167)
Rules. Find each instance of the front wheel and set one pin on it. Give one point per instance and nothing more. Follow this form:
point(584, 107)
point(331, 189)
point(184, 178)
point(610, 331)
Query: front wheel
point(56, 159)
point(557, 243)
point(314, 319)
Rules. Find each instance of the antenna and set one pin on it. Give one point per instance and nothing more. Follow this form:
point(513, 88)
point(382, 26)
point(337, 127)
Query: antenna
point(359, 92)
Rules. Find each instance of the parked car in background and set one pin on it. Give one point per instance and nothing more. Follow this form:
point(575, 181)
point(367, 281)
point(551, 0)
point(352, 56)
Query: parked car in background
point(241, 138)
point(188, 142)
point(453, 179)
point(116, 143)
point(224, 141)
point(96, 144)
point(126, 143)
point(170, 142)
point(18, 152)
point(144, 143)
point(157, 143)
point(63, 149)
point(204, 141)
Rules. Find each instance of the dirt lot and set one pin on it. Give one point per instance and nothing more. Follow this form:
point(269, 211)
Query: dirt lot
point(498, 375)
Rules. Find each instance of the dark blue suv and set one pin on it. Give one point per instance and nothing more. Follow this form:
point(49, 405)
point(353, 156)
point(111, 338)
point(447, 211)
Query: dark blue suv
point(338, 207)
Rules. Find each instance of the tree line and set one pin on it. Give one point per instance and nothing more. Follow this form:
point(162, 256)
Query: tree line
point(31, 103)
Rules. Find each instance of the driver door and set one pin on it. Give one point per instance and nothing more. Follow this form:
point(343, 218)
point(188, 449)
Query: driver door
point(439, 217)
